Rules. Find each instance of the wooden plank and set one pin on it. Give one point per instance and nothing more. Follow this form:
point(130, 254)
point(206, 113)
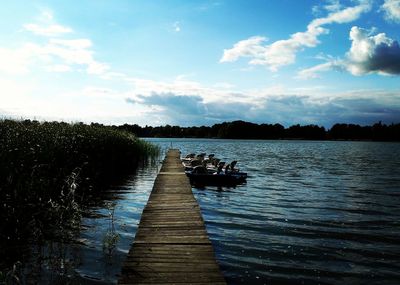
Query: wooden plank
point(152, 277)
point(171, 245)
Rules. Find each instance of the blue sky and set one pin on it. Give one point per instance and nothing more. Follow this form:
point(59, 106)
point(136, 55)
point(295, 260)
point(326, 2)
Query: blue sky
point(201, 62)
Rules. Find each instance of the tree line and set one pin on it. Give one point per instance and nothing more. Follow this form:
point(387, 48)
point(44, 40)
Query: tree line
point(247, 130)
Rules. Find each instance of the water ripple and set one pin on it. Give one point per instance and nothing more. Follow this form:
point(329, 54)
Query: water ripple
point(310, 213)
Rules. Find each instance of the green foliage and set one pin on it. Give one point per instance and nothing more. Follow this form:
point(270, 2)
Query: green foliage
point(39, 156)
point(47, 168)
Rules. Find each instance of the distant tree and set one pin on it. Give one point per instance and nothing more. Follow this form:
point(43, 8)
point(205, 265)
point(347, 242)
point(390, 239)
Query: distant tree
point(247, 130)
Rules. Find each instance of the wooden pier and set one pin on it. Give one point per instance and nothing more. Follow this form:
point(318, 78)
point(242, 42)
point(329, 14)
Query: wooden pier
point(171, 244)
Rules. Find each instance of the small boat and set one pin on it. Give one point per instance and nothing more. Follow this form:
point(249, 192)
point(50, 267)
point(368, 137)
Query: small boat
point(205, 170)
point(201, 176)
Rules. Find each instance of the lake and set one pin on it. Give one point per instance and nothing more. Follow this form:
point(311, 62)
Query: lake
point(312, 212)
point(89, 256)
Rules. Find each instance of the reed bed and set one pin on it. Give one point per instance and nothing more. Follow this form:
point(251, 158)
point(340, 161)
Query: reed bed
point(48, 168)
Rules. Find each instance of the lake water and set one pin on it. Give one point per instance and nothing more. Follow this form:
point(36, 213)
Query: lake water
point(311, 212)
point(90, 257)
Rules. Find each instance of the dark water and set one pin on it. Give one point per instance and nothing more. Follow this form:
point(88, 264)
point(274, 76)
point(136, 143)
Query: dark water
point(310, 213)
point(92, 256)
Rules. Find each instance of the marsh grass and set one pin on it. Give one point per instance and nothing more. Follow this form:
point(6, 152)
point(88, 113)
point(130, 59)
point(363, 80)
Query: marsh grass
point(48, 169)
point(12, 276)
point(111, 237)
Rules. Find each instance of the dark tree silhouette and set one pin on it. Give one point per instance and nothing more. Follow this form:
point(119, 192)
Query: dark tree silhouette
point(247, 130)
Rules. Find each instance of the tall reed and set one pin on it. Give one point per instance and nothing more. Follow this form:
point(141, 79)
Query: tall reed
point(46, 166)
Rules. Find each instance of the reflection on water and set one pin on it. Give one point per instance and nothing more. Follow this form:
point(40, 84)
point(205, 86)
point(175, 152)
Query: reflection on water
point(93, 255)
point(310, 213)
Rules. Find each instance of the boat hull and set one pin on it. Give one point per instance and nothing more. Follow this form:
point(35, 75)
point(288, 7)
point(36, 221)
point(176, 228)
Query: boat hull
point(216, 179)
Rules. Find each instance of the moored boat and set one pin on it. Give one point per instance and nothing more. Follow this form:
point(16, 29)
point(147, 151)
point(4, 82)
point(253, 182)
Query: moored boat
point(204, 171)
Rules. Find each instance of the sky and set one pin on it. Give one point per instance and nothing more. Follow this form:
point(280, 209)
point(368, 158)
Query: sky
point(157, 62)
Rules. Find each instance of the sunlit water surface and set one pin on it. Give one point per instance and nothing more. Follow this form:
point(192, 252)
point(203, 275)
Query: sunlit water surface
point(310, 213)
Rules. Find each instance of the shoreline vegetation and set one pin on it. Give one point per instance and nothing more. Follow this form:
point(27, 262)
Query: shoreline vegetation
point(48, 170)
point(247, 130)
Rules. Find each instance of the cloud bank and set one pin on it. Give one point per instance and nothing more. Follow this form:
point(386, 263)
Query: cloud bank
point(288, 109)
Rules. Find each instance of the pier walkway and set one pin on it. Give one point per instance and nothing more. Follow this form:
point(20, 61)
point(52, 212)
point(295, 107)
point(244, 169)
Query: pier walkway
point(171, 244)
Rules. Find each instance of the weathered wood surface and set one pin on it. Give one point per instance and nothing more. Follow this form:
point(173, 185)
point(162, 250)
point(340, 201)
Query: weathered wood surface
point(171, 244)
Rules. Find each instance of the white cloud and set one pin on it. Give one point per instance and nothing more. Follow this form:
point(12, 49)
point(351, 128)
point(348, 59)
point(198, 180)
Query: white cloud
point(13, 93)
point(183, 98)
point(57, 55)
point(184, 87)
point(330, 6)
point(58, 68)
point(372, 54)
point(187, 103)
point(333, 6)
point(219, 93)
point(46, 26)
point(88, 104)
point(313, 72)
point(75, 52)
point(392, 10)
point(75, 44)
point(246, 48)
point(93, 91)
point(368, 54)
point(283, 52)
point(14, 61)
point(363, 106)
point(345, 15)
point(174, 27)
point(48, 30)
point(177, 27)
point(224, 85)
